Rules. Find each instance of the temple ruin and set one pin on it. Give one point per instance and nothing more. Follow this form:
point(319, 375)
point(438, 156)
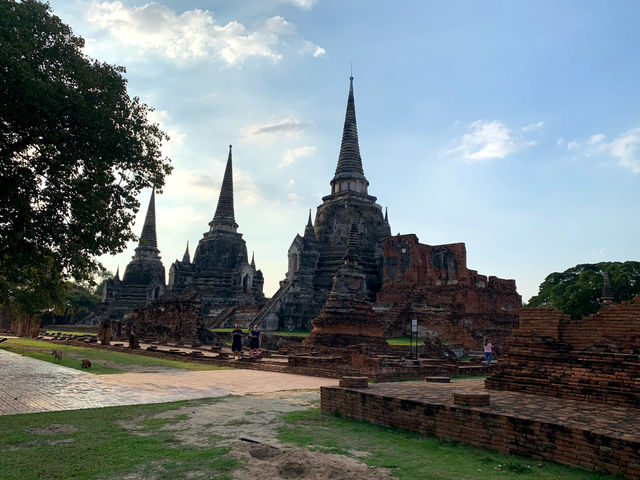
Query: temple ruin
point(143, 279)
point(220, 273)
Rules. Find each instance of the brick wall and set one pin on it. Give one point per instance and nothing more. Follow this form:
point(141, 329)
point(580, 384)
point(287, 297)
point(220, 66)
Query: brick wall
point(595, 359)
point(546, 441)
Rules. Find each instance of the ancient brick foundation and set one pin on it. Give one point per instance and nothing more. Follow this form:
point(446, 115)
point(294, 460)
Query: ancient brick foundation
point(575, 447)
point(595, 359)
point(25, 326)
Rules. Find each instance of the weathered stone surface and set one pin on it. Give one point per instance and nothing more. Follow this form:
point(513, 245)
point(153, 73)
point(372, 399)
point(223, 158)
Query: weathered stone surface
point(433, 285)
point(347, 317)
point(595, 359)
point(220, 272)
point(143, 279)
point(315, 258)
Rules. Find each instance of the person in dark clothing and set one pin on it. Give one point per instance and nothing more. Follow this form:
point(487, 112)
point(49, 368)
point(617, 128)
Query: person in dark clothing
point(254, 342)
point(236, 342)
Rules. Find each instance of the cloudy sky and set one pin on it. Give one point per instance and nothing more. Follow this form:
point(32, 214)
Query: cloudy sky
point(511, 126)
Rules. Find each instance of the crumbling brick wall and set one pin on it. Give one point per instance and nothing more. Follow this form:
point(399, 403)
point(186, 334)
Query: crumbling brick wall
point(434, 285)
point(595, 359)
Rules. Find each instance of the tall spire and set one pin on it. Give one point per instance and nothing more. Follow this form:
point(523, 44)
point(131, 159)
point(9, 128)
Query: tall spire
point(352, 256)
point(148, 236)
point(607, 293)
point(117, 275)
point(253, 260)
point(224, 218)
point(309, 231)
point(349, 162)
point(186, 257)
point(386, 214)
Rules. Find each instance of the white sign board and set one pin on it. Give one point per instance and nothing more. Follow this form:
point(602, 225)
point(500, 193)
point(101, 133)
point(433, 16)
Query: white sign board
point(414, 326)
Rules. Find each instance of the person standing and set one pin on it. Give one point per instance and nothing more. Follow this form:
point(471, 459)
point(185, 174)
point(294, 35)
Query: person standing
point(488, 351)
point(254, 342)
point(236, 342)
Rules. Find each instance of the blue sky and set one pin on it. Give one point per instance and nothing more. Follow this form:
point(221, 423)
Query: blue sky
point(511, 126)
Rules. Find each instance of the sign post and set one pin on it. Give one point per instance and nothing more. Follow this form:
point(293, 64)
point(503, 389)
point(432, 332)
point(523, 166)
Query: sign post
point(414, 335)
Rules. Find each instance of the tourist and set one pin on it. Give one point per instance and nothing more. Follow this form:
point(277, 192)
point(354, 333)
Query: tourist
point(488, 350)
point(254, 342)
point(236, 342)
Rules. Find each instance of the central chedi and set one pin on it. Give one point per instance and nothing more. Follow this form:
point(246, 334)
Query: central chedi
point(220, 273)
point(315, 257)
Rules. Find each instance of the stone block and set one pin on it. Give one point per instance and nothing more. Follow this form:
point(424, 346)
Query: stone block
point(438, 379)
point(354, 382)
point(471, 399)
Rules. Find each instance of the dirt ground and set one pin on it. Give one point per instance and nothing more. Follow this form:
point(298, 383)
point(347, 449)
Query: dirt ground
point(241, 421)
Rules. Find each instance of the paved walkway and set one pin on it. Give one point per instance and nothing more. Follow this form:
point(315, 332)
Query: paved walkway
point(28, 385)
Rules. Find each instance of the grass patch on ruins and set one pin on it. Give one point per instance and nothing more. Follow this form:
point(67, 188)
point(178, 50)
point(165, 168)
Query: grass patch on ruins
point(302, 333)
point(403, 341)
point(106, 443)
point(411, 456)
point(102, 361)
point(67, 332)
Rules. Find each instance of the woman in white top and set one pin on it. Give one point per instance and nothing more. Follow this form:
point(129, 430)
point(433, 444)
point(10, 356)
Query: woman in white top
point(488, 351)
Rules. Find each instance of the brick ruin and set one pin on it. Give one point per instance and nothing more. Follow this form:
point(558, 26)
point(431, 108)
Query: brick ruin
point(433, 285)
point(403, 278)
point(175, 317)
point(596, 359)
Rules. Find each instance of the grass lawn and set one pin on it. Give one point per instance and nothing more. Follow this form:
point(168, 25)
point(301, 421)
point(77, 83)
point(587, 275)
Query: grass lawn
point(67, 332)
point(102, 361)
point(87, 444)
point(411, 456)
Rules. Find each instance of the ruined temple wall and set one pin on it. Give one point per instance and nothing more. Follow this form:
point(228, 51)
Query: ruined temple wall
point(592, 359)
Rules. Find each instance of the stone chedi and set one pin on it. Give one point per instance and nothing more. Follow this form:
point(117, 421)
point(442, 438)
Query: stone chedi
point(220, 272)
point(314, 258)
point(143, 279)
point(347, 317)
point(432, 284)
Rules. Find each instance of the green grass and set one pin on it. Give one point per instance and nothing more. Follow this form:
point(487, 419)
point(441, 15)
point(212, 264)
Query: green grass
point(404, 341)
point(96, 445)
point(411, 456)
point(121, 362)
point(67, 332)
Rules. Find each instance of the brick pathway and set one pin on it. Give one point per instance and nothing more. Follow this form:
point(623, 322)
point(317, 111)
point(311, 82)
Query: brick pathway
point(28, 385)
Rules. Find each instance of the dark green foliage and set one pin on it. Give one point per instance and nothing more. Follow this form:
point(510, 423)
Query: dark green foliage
point(577, 291)
point(75, 151)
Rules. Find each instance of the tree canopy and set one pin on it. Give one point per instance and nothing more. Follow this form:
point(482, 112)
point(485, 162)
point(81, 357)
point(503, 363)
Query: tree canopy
point(577, 291)
point(75, 151)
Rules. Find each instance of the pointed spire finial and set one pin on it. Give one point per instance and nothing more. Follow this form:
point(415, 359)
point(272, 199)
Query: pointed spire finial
point(309, 231)
point(225, 216)
point(607, 292)
point(349, 173)
point(352, 256)
point(117, 275)
point(253, 260)
point(186, 257)
point(386, 214)
point(148, 237)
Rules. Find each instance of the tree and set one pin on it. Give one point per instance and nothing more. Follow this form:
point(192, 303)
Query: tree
point(75, 151)
point(577, 291)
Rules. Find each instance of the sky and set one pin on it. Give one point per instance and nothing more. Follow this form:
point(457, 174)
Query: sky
point(511, 126)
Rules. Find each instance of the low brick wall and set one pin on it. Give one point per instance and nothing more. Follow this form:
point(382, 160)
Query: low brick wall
point(575, 447)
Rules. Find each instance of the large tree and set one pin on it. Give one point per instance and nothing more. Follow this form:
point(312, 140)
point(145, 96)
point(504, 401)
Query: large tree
point(577, 291)
point(75, 151)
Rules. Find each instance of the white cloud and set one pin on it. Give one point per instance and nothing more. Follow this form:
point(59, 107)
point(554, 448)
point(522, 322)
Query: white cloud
point(489, 140)
point(533, 127)
point(176, 138)
point(287, 126)
point(303, 4)
point(294, 197)
point(624, 149)
point(293, 154)
point(191, 35)
point(319, 51)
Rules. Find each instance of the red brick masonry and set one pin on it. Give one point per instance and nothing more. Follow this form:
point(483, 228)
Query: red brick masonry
point(579, 434)
point(595, 359)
